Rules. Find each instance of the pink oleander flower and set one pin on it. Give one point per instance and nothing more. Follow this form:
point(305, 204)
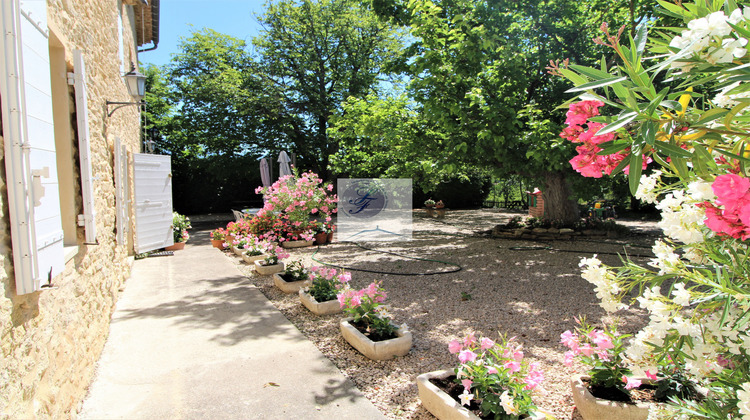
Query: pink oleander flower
point(631, 383)
point(730, 187)
point(467, 356)
point(486, 343)
point(650, 375)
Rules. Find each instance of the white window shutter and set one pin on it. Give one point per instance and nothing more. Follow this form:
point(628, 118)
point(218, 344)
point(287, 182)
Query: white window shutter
point(29, 141)
point(122, 196)
point(88, 218)
point(153, 201)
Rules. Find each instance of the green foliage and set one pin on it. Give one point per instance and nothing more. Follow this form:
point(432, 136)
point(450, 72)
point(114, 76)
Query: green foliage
point(180, 226)
point(296, 271)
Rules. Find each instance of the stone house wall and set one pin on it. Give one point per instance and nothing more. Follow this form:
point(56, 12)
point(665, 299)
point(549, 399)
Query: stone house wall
point(50, 340)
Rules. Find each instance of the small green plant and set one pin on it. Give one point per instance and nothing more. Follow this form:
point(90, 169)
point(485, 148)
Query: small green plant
point(364, 306)
point(326, 283)
point(429, 202)
point(295, 271)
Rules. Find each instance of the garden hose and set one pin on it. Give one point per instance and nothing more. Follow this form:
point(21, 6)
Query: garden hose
point(456, 268)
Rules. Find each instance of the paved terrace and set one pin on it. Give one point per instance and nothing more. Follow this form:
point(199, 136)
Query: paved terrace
point(192, 338)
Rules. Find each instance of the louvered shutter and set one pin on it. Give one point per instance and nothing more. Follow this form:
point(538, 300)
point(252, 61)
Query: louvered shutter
point(88, 218)
point(153, 201)
point(28, 133)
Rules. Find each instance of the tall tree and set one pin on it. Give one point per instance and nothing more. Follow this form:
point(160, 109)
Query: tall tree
point(316, 54)
point(478, 72)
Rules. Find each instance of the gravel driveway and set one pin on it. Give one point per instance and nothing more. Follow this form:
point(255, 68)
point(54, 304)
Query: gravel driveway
point(513, 287)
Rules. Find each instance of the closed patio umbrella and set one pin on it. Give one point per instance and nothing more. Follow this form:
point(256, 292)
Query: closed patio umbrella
point(265, 173)
point(284, 168)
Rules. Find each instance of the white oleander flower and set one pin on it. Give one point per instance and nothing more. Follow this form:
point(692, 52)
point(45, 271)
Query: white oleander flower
point(743, 396)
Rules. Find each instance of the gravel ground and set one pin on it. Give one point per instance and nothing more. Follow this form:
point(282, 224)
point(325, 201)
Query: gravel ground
point(531, 293)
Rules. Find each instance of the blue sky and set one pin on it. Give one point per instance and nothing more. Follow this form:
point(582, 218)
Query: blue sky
point(231, 17)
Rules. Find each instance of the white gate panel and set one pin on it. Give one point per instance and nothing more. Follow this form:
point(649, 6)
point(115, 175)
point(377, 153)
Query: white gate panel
point(153, 201)
point(122, 191)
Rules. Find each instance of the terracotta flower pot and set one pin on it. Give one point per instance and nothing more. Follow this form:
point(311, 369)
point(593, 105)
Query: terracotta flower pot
point(321, 238)
point(176, 247)
point(330, 237)
point(442, 405)
point(319, 308)
point(217, 243)
point(592, 408)
point(377, 350)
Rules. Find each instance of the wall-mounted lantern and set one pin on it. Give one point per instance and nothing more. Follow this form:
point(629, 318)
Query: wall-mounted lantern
point(136, 84)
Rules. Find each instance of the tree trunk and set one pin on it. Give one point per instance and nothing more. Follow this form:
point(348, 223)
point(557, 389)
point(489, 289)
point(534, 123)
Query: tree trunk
point(558, 204)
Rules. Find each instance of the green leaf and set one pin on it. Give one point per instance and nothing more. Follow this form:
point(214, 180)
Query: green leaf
point(573, 76)
point(671, 150)
point(656, 101)
point(648, 132)
point(590, 72)
point(611, 147)
point(681, 166)
point(620, 167)
point(621, 122)
point(636, 167)
point(711, 115)
point(596, 84)
point(641, 36)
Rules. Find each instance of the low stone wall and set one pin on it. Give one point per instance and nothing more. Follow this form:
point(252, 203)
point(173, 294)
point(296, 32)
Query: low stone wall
point(549, 234)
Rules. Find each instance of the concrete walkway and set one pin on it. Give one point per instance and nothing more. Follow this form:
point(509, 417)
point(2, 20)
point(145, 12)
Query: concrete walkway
point(191, 338)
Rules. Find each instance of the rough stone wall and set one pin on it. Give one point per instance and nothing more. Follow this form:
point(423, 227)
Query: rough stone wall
point(51, 340)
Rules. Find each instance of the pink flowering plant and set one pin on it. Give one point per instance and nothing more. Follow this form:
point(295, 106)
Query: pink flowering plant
point(254, 246)
point(679, 99)
point(603, 351)
point(365, 307)
point(274, 254)
point(296, 197)
point(326, 283)
point(496, 376)
point(180, 226)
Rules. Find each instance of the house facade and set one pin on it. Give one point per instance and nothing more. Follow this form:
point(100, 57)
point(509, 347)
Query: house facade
point(66, 218)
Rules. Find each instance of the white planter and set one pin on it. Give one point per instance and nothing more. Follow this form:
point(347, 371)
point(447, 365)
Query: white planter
point(288, 286)
point(238, 251)
point(377, 350)
point(251, 259)
point(442, 405)
point(267, 270)
point(319, 308)
point(296, 244)
point(592, 408)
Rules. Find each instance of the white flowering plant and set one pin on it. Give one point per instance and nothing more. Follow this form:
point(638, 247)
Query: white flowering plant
point(496, 376)
point(675, 106)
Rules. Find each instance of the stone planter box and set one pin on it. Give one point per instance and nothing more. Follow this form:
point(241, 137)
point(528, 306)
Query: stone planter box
point(267, 270)
point(319, 308)
point(442, 405)
point(592, 408)
point(238, 251)
point(296, 244)
point(251, 259)
point(377, 350)
point(288, 286)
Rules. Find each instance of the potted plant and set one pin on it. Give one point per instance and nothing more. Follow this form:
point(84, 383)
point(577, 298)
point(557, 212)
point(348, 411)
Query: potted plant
point(429, 203)
point(218, 238)
point(325, 284)
point(271, 263)
point(180, 226)
point(605, 391)
point(369, 327)
point(254, 250)
point(292, 279)
point(330, 228)
point(492, 380)
point(239, 245)
point(319, 232)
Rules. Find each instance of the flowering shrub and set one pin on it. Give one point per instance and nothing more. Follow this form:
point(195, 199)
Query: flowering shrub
point(602, 351)
point(254, 246)
point(326, 283)
point(180, 225)
point(219, 234)
point(240, 228)
point(274, 254)
point(496, 376)
point(296, 197)
point(696, 288)
point(364, 306)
